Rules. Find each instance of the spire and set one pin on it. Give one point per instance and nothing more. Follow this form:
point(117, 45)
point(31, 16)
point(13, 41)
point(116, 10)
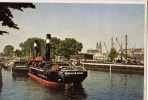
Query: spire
point(100, 47)
point(97, 46)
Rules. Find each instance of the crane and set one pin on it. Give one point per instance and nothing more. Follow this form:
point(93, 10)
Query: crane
point(120, 48)
point(120, 45)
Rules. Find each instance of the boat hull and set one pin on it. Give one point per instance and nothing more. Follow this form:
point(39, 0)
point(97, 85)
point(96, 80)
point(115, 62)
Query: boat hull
point(57, 77)
point(75, 77)
point(41, 80)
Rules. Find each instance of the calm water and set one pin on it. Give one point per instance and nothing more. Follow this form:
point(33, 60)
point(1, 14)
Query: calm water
point(97, 86)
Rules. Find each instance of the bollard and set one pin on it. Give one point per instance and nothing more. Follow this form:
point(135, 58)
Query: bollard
point(110, 70)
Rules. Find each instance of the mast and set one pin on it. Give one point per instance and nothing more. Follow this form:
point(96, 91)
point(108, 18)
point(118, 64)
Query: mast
point(112, 43)
point(121, 50)
point(126, 46)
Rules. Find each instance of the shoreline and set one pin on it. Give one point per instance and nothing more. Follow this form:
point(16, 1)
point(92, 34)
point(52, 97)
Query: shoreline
point(118, 68)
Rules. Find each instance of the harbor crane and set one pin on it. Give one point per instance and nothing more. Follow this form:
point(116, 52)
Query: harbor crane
point(120, 49)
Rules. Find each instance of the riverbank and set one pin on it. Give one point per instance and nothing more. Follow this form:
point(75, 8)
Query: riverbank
point(121, 68)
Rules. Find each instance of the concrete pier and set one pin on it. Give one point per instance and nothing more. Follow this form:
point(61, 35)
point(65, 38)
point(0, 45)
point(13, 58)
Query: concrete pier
point(122, 68)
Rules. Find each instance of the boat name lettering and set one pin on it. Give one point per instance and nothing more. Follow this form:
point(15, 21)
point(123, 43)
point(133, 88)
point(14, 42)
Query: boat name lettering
point(67, 73)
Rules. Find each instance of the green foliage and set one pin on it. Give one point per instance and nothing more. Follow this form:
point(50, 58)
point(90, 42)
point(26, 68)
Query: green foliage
point(68, 47)
point(8, 50)
point(27, 46)
point(18, 53)
point(113, 54)
point(6, 16)
point(65, 48)
point(55, 44)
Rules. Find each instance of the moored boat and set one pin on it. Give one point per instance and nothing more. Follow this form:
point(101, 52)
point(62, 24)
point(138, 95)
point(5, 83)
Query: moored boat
point(20, 68)
point(57, 72)
point(45, 70)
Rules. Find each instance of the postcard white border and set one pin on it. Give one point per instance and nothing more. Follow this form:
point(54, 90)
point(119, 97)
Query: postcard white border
point(145, 2)
point(80, 1)
point(146, 51)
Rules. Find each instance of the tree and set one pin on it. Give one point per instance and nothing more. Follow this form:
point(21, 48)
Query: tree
point(27, 46)
point(55, 44)
point(8, 50)
point(18, 53)
point(65, 48)
point(113, 54)
point(6, 16)
point(69, 47)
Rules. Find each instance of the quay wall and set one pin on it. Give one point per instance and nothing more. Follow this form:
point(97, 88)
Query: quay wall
point(120, 68)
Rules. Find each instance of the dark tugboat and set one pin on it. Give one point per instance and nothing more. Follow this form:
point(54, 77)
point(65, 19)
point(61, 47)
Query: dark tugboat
point(48, 72)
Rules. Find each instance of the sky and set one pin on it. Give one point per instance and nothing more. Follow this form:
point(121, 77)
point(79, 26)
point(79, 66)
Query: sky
point(87, 23)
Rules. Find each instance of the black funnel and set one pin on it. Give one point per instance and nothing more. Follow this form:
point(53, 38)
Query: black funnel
point(48, 47)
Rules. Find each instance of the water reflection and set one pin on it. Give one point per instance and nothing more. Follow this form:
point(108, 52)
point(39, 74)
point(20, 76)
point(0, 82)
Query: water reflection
point(97, 86)
point(76, 93)
point(19, 77)
point(1, 83)
point(114, 86)
point(72, 93)
point(55, 92)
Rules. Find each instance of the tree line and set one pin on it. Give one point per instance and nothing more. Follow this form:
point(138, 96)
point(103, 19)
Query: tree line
point(66, 47)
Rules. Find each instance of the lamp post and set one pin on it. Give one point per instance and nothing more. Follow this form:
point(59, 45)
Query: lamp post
point(35, 44)
point(35, 48)
point(48, 47)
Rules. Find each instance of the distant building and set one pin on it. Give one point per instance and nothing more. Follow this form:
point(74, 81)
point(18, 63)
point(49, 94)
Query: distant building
point(92, 51)
point(97, 53)
point(100, 56)
point(136, 54)
point(82, 56)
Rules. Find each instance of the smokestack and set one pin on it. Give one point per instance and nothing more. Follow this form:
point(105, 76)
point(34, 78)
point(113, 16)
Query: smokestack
point(48, 47)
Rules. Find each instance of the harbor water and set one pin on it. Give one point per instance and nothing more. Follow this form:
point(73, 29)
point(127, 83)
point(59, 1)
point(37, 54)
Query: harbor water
point(97, 86)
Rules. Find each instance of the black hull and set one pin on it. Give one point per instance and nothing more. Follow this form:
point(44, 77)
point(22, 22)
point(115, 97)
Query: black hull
point(75, 77)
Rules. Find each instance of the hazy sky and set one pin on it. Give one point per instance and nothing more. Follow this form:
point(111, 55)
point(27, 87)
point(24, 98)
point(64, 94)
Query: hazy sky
point(88, 23)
